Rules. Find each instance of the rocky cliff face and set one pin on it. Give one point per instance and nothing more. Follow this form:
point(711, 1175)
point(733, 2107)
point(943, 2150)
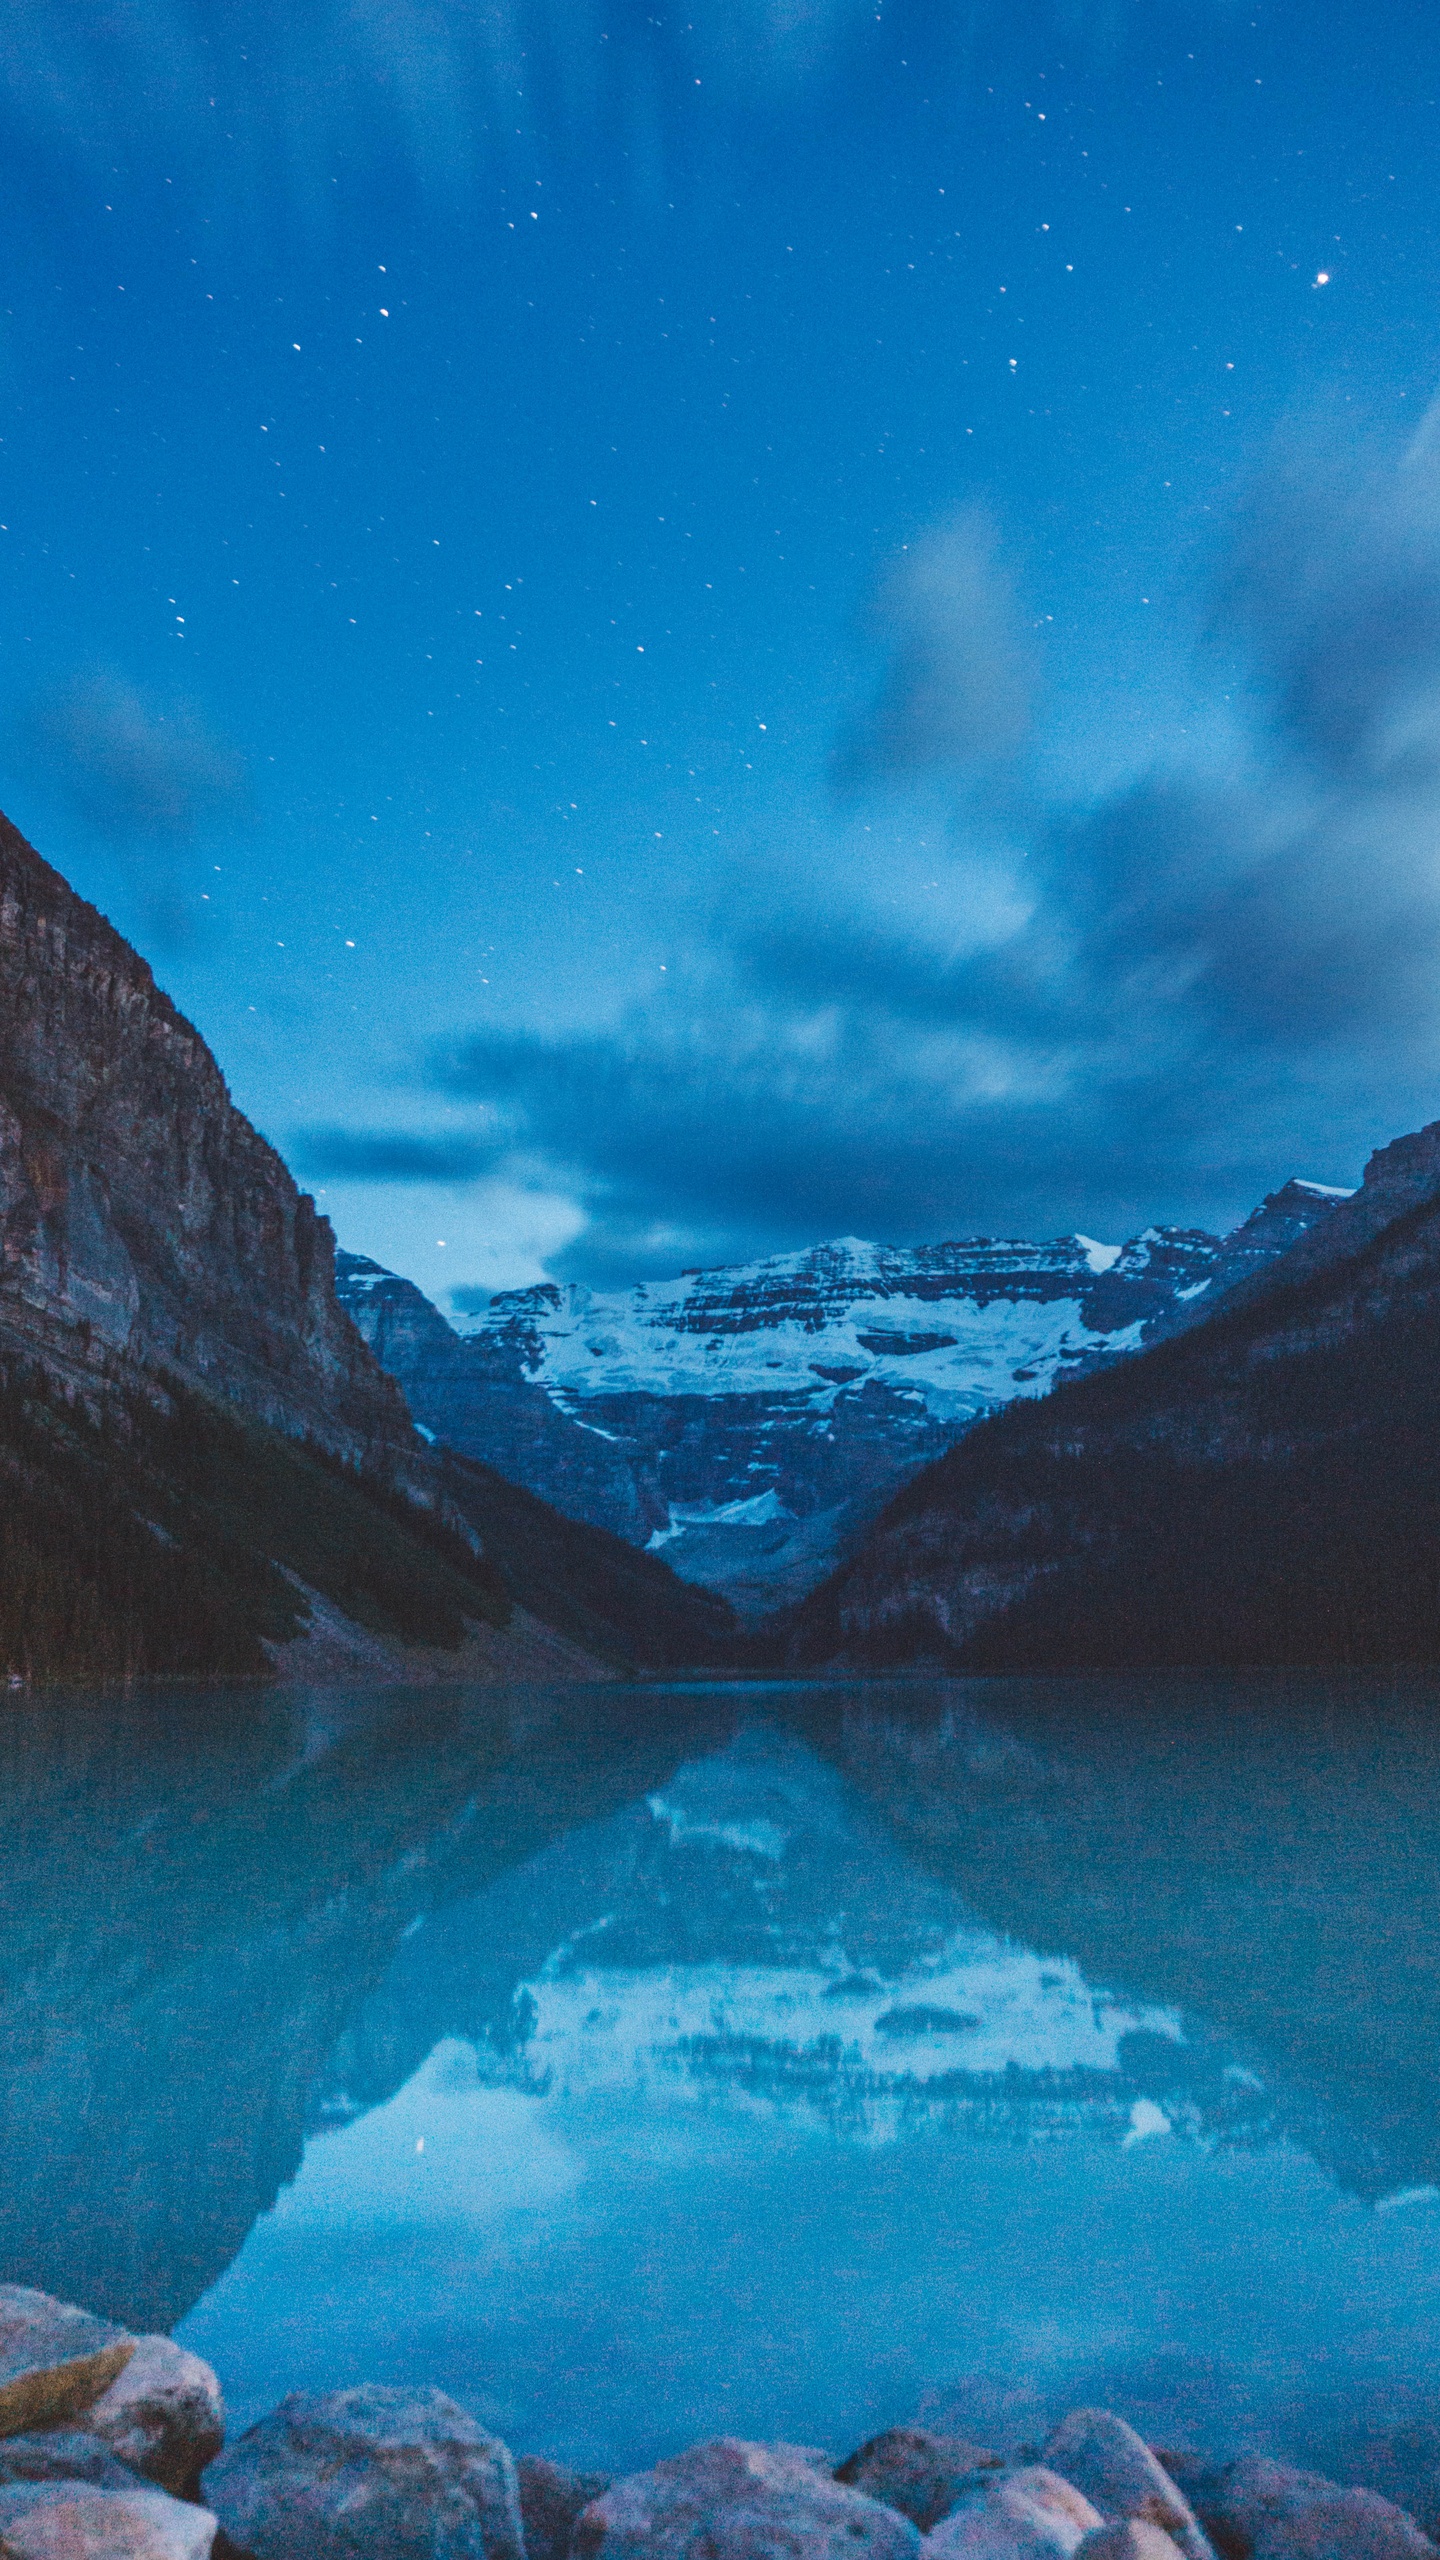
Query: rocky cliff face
point(141, 1216)
point(1263, 1488)
point(748, 1422)
point(203, 1466)
point(474, 1394)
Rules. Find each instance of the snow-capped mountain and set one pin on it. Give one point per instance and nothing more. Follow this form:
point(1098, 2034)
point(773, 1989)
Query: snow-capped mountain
point(749, 1938)
point(748, 1420)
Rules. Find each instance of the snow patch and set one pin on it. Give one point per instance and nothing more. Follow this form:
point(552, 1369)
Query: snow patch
point(754, 1512)
point(1101, 1257)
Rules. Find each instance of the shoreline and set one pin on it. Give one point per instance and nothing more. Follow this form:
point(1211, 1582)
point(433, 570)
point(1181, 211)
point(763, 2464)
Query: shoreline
point(114, 2447)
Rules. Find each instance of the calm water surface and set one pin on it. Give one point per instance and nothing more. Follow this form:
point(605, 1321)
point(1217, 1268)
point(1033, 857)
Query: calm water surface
point(641, 2064)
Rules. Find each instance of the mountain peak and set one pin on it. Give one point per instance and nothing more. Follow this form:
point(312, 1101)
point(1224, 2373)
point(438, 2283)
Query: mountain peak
point(750, 1416)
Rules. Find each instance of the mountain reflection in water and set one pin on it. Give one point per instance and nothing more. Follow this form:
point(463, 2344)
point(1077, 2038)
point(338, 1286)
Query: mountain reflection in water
point(638, 2064)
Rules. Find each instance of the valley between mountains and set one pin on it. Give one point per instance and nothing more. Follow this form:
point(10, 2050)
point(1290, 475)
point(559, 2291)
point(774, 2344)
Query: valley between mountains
point(226, 1447)
point(749, 1422)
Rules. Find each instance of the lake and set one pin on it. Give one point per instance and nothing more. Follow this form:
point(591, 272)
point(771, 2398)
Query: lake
point(641, 2064)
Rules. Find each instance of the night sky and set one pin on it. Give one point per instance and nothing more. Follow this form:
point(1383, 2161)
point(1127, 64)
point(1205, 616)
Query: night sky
point(681, 632)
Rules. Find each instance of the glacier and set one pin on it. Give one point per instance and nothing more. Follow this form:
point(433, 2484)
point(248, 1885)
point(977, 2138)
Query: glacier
point(749, 1421)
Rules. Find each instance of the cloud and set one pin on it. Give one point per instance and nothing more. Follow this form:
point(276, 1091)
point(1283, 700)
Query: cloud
point(1335, 589)
point(128, 769)
point(458, 1243)
point(957, 680)
point(388, 1155)
point(300, 86)
point(1194, 987)
point(256, 104)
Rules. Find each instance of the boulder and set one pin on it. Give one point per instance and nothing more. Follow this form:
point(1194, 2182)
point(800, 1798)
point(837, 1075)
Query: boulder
point(68, 2520)
point(1132, 2541)
point(1256, 2509)
point(1030, 2514)
point(54, 2360)
point(991, 2410)
point(1399, 2456)
point(1120, 2475)
point(163, 2415)
point(402, 2475)
point(62, 2453)
point(740, 2502)
point(920, 2475)
point(550, 2500)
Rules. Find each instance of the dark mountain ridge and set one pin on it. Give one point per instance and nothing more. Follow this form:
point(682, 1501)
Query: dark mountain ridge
point(1262, 1488)
point(201, 1461)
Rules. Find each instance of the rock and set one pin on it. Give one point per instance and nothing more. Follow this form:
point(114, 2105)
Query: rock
point(139, 1202)
point(163, 2416)
point(1134, 2540)
point(54, 2360)
point(1030, 2514)
point(1256, 2509)
point(740, 2501)
point(1398, 2456)
point(402, 2475)
point(921, 2475)
point(62, 2453)
point(1009, 2415)
point(550, 2500)
point(1120, 2475)
point(60, 2520)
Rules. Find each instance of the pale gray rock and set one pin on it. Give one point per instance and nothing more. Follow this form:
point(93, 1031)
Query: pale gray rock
point(55, 2360)
point(68, 2520)
point(745, 2502)
point(62, 2453)
point(919, 2474)
point(1030, 2514)
point(369, 2474)
point(1256, 2509)
point(550, 2500)
point(163, 2415)
point(1134, 2540)
point(1120, 2475)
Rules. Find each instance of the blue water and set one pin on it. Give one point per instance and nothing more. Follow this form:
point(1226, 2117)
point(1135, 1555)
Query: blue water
point(641, 2064)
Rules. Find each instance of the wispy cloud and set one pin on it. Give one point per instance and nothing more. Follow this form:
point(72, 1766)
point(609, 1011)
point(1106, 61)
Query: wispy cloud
point(132, 771)
point(259, 102)
point(360, 1155)
point(286, 86)
point(958, 674)
point(1200, 986)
